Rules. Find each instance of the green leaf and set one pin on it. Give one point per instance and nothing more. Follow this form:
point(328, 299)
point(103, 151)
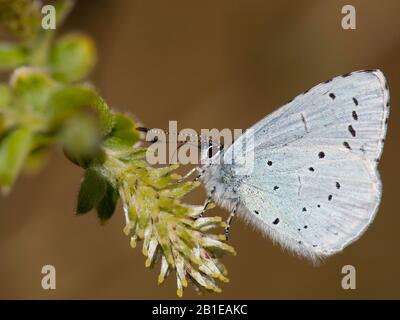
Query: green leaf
point(6, 110)
point(106, 206)
point(92, 191)
point(77, 98)
point(32, 88)
point(14, 148)
point(5, 96)
point(81, 139)
point(123, 134)
point(72, 57)
point(97, 192)
point(12, 56)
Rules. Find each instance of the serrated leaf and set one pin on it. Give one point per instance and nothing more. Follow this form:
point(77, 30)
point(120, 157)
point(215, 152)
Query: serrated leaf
point(14, 148)
point(92, 190)
point(123, 134)
point(78, 98)
point(12, 56)
point(107, 204)
point(72, 57)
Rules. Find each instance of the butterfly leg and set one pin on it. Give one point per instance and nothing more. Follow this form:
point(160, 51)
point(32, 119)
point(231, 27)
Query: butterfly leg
point(229, 221)
point(207, 202)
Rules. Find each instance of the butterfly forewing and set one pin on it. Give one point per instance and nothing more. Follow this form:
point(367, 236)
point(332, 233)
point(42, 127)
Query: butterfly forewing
point(349, 111)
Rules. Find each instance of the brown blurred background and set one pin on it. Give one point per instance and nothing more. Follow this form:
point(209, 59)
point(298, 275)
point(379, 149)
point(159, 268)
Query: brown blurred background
point(206, 64)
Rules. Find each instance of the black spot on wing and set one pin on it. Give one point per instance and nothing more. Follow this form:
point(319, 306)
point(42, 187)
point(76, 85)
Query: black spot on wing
point(330, 197)
point(346, 144)
point(269, 163)
point(332, 96)
point(276, 221)
point(321, 155)
point(354, 115)
point(355, 101)
point(311, 169)
point(351, 130)
point(256, 212)
point(337, 185)
point(276, 188)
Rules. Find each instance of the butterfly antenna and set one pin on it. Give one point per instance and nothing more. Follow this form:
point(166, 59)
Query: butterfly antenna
point(146, 130)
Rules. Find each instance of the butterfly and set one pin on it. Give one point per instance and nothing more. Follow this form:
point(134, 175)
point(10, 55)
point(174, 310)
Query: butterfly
point(314, 186)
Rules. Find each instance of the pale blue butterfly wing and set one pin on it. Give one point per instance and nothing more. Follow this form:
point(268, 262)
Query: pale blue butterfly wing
point(349, 111)
point(315, 187)
point(314, 206)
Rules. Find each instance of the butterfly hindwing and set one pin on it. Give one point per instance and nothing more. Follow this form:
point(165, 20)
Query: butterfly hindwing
point(310, 204)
